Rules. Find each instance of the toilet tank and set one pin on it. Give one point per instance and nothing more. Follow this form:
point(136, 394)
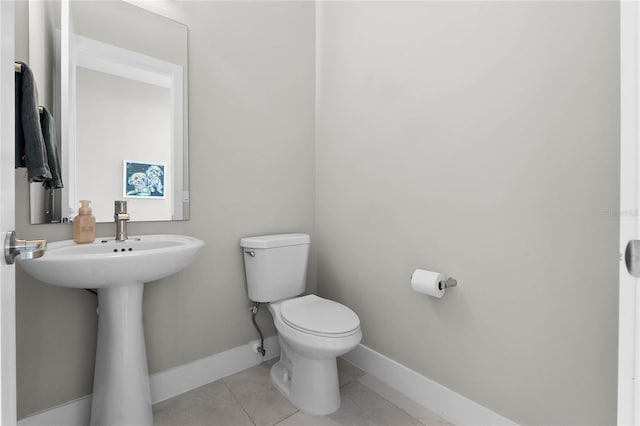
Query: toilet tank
point(275, 265)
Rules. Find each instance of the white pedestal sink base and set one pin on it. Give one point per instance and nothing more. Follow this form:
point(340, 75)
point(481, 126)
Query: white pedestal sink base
point(118, 269)
point(121, 393)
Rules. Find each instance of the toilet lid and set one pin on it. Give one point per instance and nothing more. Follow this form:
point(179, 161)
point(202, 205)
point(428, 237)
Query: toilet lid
point(315, 315)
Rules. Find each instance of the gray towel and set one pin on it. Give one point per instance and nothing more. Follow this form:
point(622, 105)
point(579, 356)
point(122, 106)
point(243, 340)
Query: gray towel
point(30, 145)
point(49, 133)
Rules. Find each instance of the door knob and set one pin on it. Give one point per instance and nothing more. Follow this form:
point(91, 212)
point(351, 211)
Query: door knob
point(632, 257)
point(26, 249)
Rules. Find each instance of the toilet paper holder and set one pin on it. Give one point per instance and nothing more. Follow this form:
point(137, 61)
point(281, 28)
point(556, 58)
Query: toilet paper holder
point(449, 282)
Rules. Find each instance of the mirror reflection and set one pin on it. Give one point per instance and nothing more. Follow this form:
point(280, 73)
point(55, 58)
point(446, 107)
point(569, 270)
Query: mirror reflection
point(122, 114)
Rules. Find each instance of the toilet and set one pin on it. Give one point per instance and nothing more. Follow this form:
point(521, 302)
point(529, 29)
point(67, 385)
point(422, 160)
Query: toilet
point(312, 331)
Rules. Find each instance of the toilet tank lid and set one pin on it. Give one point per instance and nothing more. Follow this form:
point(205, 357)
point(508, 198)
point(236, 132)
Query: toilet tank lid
point(278, 240)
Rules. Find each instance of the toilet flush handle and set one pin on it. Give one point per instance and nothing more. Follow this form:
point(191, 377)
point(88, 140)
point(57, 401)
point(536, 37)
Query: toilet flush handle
point(250, 253)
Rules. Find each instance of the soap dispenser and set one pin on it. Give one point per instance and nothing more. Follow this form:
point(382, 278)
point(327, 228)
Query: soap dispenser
point(84, 224)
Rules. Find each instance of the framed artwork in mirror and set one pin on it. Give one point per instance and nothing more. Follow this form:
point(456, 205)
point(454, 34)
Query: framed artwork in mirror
point(143, 180)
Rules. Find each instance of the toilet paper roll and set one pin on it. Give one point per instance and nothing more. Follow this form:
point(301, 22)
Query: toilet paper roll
point(428, 282)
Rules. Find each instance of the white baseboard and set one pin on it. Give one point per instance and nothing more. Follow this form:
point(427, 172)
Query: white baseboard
point(166, 384)
point(175, 381)
point(74, 413)
point(453, 407)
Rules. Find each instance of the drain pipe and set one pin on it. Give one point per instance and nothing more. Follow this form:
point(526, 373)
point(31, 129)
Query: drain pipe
point(254, 311)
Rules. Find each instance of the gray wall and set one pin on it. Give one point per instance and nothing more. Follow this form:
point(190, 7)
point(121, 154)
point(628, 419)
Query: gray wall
point(481, 140)
point(251, 129)
point(477, 139)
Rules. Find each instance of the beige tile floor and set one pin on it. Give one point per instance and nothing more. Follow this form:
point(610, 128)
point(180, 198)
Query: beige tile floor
point(248, 398)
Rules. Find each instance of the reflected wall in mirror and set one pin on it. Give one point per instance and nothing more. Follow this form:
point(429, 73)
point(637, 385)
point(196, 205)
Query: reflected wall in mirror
point(122, 85)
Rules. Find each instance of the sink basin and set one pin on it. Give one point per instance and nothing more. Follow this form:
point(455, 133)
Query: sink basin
point(107, 262)
point(118, 270)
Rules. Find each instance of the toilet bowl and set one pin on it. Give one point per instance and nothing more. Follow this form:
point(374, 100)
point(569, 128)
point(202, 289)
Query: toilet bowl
point(312, 332)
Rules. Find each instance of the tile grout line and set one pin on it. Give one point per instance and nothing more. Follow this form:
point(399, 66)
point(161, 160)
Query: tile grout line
point(224, 382)
point(404, 410)
point(392, 403)
point(293, 414)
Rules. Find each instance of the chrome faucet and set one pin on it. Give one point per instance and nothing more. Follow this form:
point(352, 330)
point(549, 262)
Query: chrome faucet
point(121, 217)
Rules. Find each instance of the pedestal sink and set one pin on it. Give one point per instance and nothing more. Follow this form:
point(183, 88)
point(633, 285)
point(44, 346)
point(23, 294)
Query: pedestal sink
point(118, 270)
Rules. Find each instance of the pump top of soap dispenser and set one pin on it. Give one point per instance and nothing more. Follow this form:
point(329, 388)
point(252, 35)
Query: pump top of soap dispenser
point(84, 207)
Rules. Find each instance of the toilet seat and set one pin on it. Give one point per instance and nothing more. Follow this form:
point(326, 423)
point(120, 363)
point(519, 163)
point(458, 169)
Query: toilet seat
point(320, 317)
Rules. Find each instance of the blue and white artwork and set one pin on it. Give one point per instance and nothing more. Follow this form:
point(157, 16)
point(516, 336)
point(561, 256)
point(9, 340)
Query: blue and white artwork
point(143, 180)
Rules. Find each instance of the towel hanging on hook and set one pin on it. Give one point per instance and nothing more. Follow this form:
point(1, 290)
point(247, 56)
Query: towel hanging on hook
point(36, 147)
point(17, 67)
point(30, 151)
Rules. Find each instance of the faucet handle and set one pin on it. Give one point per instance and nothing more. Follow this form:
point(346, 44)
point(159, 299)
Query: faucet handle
point(120, 206)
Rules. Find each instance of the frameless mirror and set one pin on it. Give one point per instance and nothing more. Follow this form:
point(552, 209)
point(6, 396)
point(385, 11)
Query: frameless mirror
point(121, 108)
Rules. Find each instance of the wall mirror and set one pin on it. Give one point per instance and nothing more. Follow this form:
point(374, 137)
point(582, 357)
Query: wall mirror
point(120, 104)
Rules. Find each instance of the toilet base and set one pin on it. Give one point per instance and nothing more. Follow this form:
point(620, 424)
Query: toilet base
point(309, 384)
